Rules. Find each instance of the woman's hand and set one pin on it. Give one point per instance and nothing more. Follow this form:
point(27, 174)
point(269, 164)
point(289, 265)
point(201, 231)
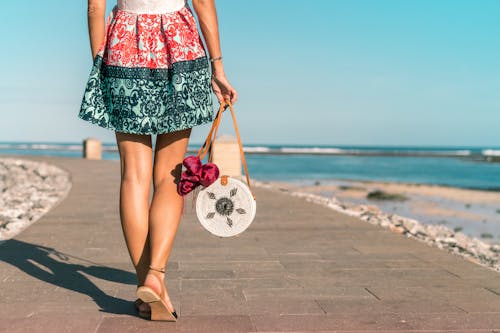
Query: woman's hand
point(223, 89)
point(207, 15)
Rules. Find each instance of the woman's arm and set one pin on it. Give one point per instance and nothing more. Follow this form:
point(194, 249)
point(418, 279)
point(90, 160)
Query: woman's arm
point(96, 15)
point(207, 16)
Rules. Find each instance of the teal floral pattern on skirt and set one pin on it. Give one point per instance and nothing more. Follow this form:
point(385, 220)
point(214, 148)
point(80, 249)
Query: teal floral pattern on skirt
point(150, 76)
point(147, 100)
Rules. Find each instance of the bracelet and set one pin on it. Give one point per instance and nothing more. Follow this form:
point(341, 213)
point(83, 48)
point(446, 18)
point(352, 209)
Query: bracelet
point(215, 59)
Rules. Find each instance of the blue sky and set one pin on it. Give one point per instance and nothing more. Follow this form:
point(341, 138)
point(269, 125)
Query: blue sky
point(330, 72)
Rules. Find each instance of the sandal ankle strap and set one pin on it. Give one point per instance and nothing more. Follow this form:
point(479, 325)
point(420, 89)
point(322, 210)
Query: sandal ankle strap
point(159, 269)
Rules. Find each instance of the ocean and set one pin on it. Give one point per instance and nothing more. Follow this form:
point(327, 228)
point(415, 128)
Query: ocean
point(464, 167)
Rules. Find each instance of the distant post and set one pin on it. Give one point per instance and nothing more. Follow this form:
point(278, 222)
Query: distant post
point(226, 154)
point(92, 149)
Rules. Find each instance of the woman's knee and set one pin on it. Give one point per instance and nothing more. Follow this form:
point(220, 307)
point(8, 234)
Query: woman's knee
point(136, 177)
point(167, 175)
point(136, 154)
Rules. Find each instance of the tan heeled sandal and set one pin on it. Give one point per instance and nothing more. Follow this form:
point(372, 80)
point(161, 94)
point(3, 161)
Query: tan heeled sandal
point(159, 309)
point(143, 314)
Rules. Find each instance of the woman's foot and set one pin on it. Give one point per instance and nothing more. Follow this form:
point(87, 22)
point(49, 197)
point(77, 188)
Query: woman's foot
point(155, 280)
point(154, 292)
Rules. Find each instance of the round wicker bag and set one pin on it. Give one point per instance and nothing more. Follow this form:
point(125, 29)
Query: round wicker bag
point(226, 207)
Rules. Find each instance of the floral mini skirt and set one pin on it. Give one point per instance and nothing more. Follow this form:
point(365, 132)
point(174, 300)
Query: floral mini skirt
point(151, 74)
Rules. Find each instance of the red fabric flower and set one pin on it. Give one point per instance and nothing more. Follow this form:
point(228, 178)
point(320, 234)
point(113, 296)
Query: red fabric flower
point(196, 173)
point(187, 183)
point(193, 164)
point(209, 174)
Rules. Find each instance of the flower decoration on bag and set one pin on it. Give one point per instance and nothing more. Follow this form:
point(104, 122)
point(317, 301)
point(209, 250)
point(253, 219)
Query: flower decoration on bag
point(196, 174)
point(225, 206)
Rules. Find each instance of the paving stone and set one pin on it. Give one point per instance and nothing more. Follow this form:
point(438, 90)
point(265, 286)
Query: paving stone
point(282, 306)
point(451, 321)
point(219, 323)
point(336, 322)
point(308, 293)
point(207, 274)
point(54, 322)
point(372, 305)
point(126, 324)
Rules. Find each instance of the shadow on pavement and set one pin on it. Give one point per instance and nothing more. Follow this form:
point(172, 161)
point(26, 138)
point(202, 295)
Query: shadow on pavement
point(32, 259)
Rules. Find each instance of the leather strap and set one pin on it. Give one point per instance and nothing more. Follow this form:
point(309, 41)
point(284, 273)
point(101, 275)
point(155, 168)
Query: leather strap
point(212, 134)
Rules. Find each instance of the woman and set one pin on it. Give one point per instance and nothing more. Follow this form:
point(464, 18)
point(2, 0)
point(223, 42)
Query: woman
point(152, 75)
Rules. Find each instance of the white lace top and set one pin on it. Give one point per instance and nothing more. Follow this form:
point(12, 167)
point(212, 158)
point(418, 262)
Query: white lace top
point(150, 6)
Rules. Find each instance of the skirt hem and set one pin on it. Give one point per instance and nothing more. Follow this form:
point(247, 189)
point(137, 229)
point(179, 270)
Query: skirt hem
point(107, 126)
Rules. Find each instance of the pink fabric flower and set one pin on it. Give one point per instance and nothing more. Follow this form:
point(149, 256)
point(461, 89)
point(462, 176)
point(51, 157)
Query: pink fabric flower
point(193, 164)
point(184, 187)
point(209, 174)
point(196, 173)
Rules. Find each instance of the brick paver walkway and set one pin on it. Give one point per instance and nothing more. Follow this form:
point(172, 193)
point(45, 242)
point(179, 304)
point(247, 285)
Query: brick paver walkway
point(299, 267)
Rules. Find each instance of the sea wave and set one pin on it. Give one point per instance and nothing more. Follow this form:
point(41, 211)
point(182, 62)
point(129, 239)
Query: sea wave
point(39, 146)
point(312, 150)
point(490, 152)
point(55, 147)
point(259, 149)
point(374, 151)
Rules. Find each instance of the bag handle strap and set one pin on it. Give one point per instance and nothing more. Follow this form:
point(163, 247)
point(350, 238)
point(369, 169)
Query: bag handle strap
point(212, 134)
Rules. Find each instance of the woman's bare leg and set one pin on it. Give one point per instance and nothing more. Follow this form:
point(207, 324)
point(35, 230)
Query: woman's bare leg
point(166, 206)
point(136, 159)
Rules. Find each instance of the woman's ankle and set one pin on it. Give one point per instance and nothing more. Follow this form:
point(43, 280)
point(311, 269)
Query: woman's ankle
point(141, 274)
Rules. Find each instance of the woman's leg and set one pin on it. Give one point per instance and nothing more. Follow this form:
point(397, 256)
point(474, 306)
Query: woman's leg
point(166, 206)
point(136, 159)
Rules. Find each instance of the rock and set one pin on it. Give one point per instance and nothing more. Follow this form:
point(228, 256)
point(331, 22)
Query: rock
point(495, 248)
point(372, 209)
point(409, 224)
point(29, 190)
point(398, 229)
point(385, 223)
point(381, 195)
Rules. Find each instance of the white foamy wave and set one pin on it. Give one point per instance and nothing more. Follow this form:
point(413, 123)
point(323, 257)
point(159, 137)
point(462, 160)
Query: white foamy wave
point(257, 149)
point(74, 147)
point(315, 150)
point(450, 152)
point(53, 146)
point(491, 152)
point(463, 152)
point(40, 146)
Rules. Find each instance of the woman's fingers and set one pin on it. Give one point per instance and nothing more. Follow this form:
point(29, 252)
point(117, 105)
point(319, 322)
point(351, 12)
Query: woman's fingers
point(223, 90)
point(227, 96)
point(217, 91)
point(234, 96)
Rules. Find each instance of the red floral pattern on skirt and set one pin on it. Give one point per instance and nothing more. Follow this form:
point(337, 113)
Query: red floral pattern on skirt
point(150, 40)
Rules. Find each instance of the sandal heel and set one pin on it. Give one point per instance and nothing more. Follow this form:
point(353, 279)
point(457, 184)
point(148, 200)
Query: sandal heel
point(159, 309)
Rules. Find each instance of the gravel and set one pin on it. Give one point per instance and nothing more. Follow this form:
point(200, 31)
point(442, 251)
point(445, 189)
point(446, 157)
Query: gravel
point(28, 190)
